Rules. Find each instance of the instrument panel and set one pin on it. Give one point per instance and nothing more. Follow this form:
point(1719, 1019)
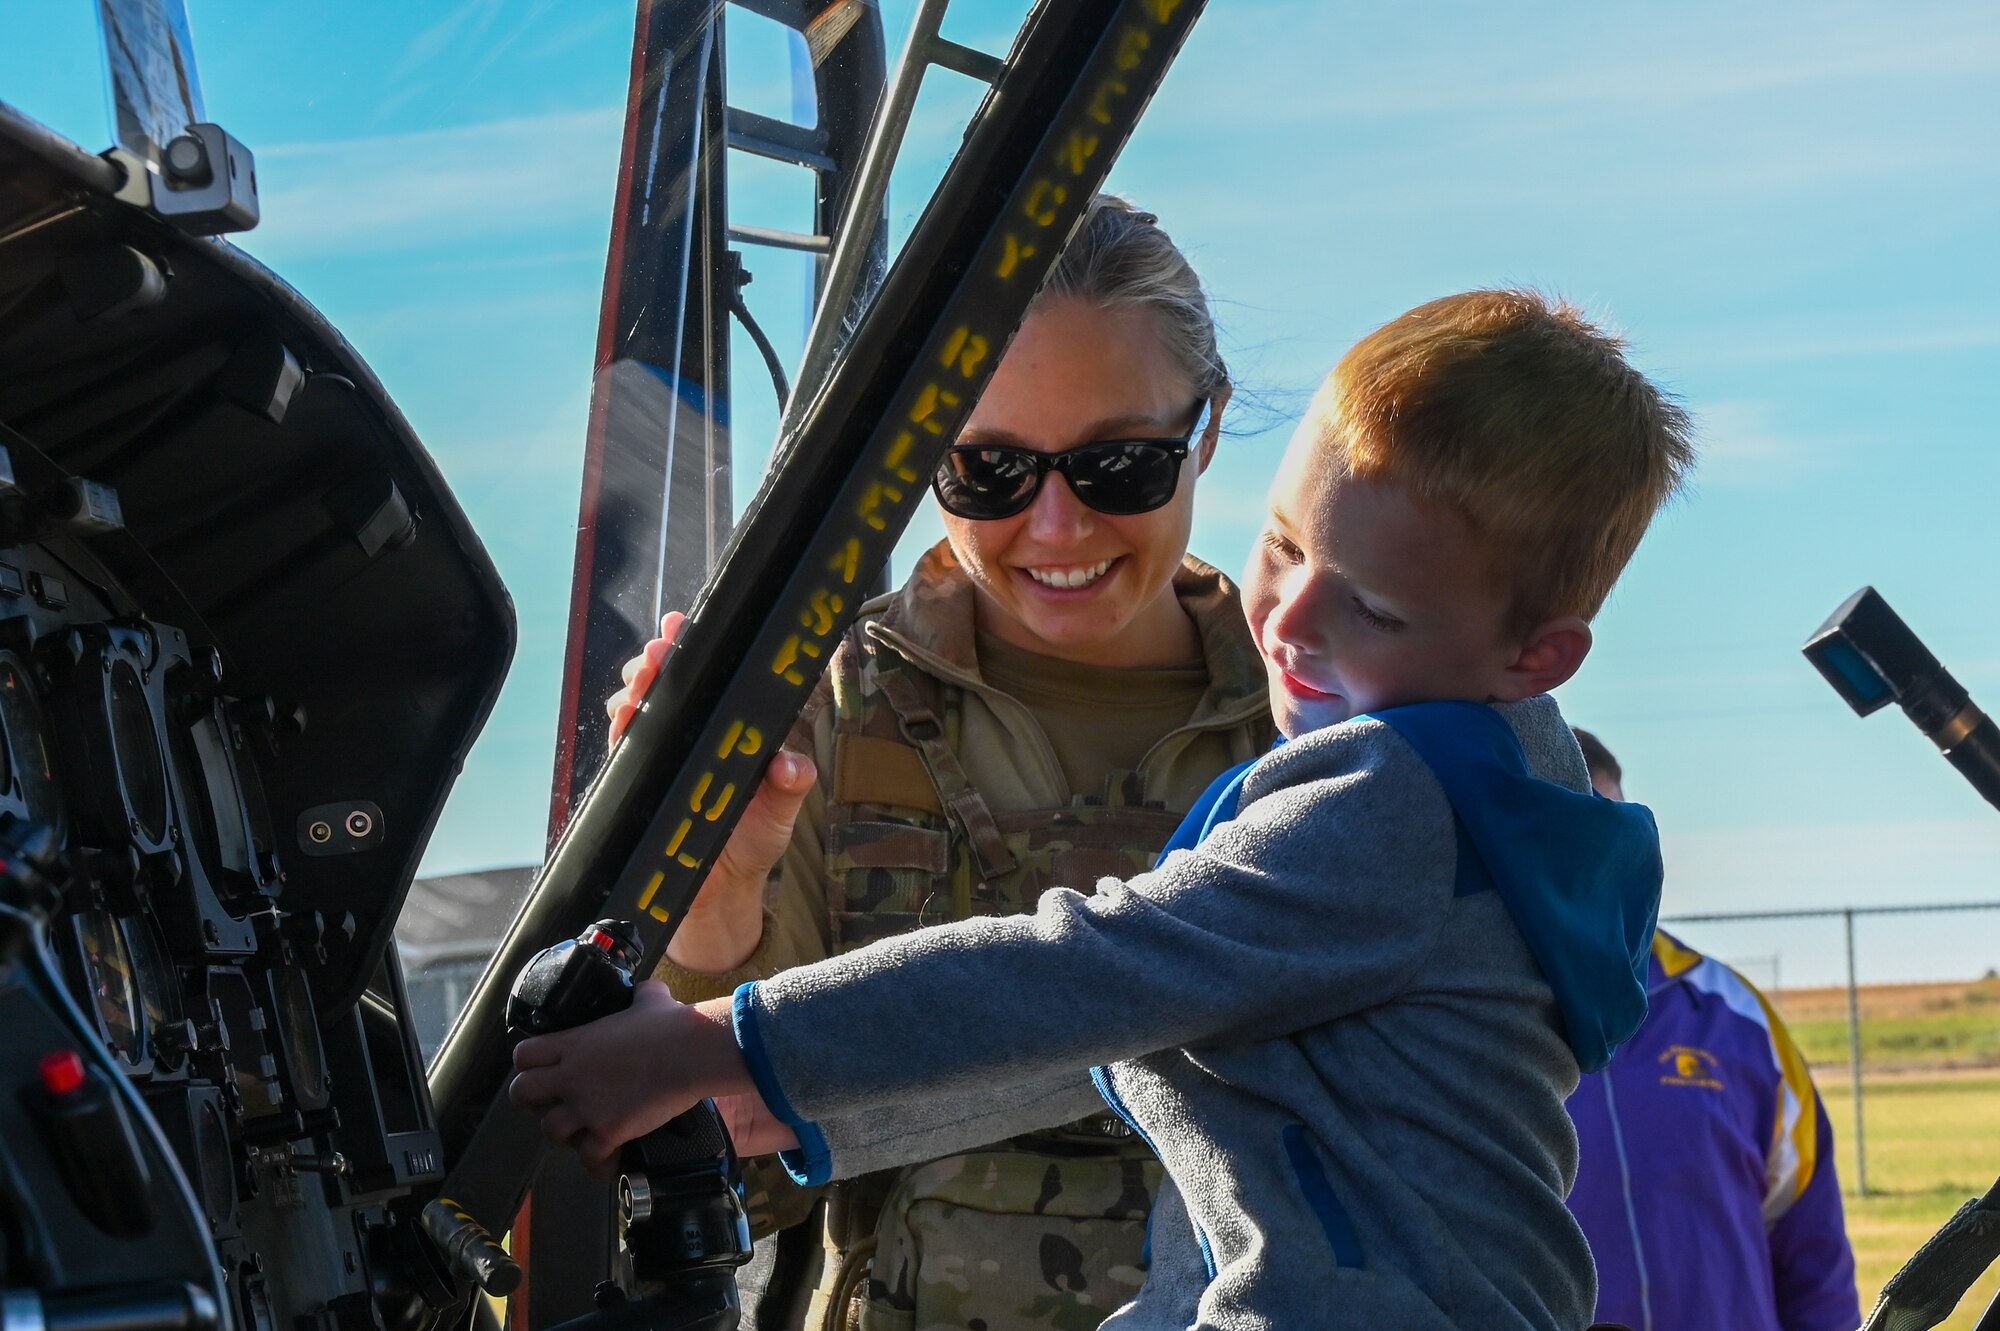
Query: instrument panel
point(116, 733)
point(121, 734)
point(215, 526)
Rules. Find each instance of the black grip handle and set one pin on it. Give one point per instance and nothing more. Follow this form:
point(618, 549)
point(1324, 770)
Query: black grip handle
point(690, 1138)
point(576, 981)
point(1932, 1282)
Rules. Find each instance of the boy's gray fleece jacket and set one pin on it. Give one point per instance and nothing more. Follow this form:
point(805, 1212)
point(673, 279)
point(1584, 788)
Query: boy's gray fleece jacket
point(1351, 1066)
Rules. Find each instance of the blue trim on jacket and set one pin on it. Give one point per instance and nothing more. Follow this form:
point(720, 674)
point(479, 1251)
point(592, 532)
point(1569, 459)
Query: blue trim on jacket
point(1217, 805)
point(811, 1162)
point(1101, 1078)
point(1580, 875)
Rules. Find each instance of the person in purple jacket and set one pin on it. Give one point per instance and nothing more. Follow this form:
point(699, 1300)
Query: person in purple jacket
point(1706, 1182)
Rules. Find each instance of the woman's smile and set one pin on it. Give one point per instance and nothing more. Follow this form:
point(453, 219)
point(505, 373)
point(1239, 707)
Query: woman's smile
point(1071, 578)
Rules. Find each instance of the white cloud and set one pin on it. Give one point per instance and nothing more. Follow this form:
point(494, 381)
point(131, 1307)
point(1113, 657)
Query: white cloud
point(1469, 68)
point(1743, 445)
point(437, 187)
point(1912, 334)
point(462, 26)
point(474, 40)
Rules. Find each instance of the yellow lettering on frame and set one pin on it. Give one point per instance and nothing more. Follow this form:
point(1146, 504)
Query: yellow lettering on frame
point(847, 560)
point(964, 351)
point(753, 740)
point(1044, 197)
point(1132, 46)
point(1016, 252)
point(900, 450)
point(646, 898)
point(871, 501)
point(878, 494)
point(781, 664)
point(1100, 100)
point(786, 665)
point(975, 355)
point(680, 835)
point(825, 605)
point(1078, 150)
point(729, 740)
point(721, 802)
point(927, 406)
point(1162, 10)
point(700, 789)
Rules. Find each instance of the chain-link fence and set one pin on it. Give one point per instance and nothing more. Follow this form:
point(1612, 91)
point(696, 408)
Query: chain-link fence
point(1890, 1024)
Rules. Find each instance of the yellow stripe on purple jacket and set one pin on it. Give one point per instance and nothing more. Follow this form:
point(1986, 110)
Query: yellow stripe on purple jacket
point(1706, 1181)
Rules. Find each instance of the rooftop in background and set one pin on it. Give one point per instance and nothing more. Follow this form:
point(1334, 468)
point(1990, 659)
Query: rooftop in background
point(460, 916)
point(451, 924)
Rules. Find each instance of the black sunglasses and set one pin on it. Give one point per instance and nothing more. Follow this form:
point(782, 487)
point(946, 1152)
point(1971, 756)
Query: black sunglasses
point(1115, 476)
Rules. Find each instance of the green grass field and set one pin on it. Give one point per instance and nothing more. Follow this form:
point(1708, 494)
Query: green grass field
point(1903, 1026)
point(1931, 1055)
point(1933, 1141)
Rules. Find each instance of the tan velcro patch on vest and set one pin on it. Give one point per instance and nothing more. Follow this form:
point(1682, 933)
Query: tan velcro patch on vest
point(868, 770)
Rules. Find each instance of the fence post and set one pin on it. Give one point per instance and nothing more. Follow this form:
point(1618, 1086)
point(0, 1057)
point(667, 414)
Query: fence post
point(1854, 1060)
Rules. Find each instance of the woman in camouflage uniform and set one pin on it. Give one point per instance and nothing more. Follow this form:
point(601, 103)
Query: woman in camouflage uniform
point(1037, 706)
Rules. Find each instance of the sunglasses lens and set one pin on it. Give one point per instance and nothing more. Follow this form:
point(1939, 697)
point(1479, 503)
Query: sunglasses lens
point(983, 483)
point(1115, 477)
point(1122, 479)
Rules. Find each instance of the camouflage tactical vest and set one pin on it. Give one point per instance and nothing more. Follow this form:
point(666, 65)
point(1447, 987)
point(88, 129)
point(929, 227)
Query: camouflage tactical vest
point(1045, 1231)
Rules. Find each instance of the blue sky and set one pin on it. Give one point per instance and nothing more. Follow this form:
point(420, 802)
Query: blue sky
point(1790, 211)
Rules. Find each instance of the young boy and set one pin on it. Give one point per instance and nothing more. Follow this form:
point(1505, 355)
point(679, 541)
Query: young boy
point(1348, 1004)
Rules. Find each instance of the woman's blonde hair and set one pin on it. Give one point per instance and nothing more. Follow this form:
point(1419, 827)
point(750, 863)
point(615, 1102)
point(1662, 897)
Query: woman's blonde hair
point(1119, 258)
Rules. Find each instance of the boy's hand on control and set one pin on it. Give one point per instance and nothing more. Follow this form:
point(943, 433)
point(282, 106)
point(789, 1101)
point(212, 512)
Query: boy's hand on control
point(604, 1083)
point(753, 1128)
point(725, 922)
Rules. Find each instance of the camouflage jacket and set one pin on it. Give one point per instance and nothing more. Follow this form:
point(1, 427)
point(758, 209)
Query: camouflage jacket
point(940, 797)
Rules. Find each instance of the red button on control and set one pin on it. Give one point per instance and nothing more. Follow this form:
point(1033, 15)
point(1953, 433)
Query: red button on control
point(601, 940)
point(62, 1072)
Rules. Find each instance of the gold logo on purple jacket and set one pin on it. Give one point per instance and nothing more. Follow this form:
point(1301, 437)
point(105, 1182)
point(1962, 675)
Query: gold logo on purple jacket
point(1690, 1067)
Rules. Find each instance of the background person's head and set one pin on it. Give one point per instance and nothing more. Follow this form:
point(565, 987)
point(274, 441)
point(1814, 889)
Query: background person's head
point(1463, 493)
point(1607, 778)
point(1119, 344)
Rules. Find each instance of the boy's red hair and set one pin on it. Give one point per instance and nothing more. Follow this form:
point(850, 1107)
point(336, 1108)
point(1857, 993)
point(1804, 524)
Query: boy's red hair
point(1526, 418)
